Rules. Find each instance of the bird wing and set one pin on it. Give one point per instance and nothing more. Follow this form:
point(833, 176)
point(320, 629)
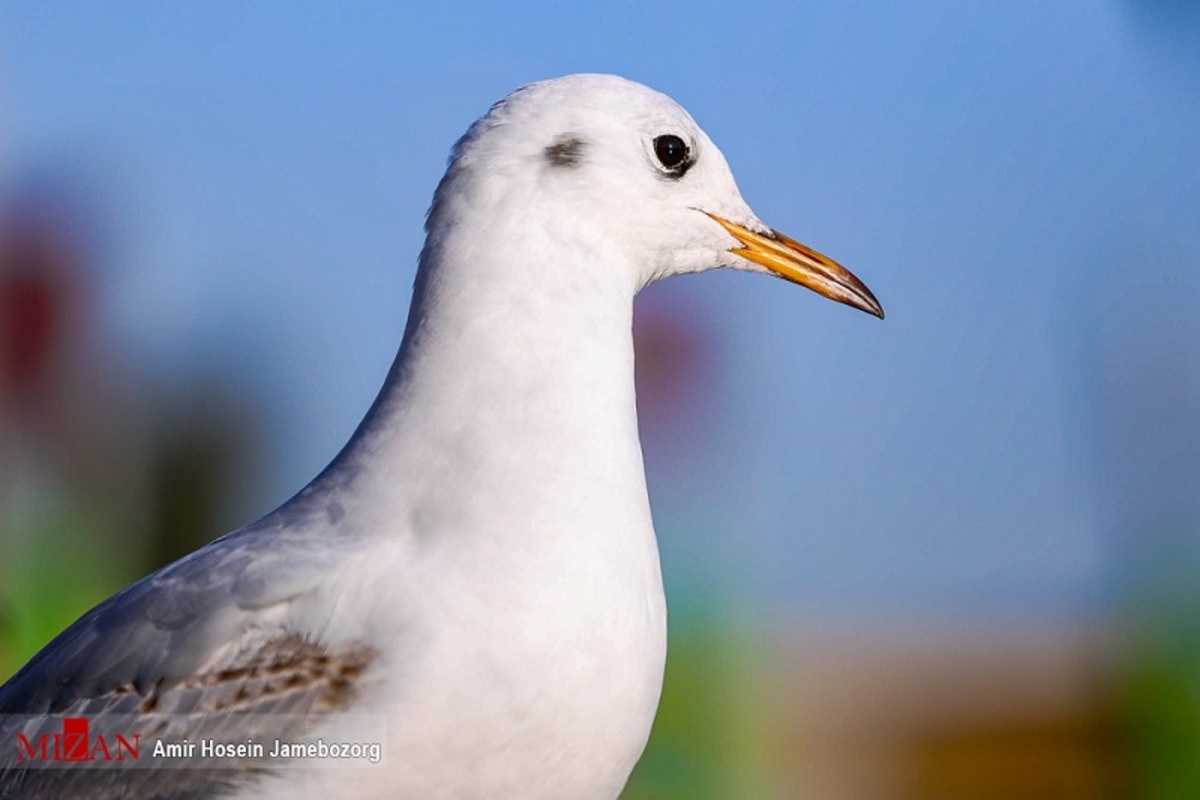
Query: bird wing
point(198, 649)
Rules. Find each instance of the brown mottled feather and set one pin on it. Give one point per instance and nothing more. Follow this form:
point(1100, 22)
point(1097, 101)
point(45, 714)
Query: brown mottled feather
point(274, 689)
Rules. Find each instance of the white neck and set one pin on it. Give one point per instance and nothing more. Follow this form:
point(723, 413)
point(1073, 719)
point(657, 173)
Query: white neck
point(514, 382)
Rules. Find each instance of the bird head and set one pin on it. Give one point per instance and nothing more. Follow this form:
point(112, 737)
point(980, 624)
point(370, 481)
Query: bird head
point(615, 168)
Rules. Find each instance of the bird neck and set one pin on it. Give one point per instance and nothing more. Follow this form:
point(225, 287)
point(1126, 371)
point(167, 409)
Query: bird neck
point(513, 385)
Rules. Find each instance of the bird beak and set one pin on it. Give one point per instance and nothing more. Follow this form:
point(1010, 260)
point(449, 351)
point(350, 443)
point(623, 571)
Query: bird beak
point(792, 261)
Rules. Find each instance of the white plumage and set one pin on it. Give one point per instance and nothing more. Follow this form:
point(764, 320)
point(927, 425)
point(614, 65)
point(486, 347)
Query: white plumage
point(479, 563)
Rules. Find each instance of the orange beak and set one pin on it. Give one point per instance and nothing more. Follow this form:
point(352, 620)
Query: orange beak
point(792, 261)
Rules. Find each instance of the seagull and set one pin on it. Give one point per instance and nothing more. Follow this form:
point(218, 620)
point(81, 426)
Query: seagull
point(477, 567)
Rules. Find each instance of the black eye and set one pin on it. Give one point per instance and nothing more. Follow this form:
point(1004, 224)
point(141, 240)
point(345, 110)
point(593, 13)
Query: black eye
point(672, 152)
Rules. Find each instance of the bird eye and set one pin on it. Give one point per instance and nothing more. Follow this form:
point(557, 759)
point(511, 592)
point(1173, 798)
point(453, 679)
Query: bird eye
point(672, 152)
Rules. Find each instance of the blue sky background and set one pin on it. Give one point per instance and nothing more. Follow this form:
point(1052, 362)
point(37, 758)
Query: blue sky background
point(1019, 184)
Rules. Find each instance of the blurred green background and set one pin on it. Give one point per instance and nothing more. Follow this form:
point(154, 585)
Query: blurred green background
point(950, 555)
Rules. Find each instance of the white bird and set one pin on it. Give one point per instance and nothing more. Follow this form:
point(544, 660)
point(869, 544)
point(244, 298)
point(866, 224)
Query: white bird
point(478, 565)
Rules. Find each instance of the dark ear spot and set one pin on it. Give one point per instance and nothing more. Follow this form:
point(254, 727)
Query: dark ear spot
point(567, 151)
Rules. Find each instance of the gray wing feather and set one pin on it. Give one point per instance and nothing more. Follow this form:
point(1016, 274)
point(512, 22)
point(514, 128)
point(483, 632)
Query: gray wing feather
point(196, 641)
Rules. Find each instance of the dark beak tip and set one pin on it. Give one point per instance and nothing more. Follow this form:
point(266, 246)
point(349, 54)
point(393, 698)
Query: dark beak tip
point(866, 301)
